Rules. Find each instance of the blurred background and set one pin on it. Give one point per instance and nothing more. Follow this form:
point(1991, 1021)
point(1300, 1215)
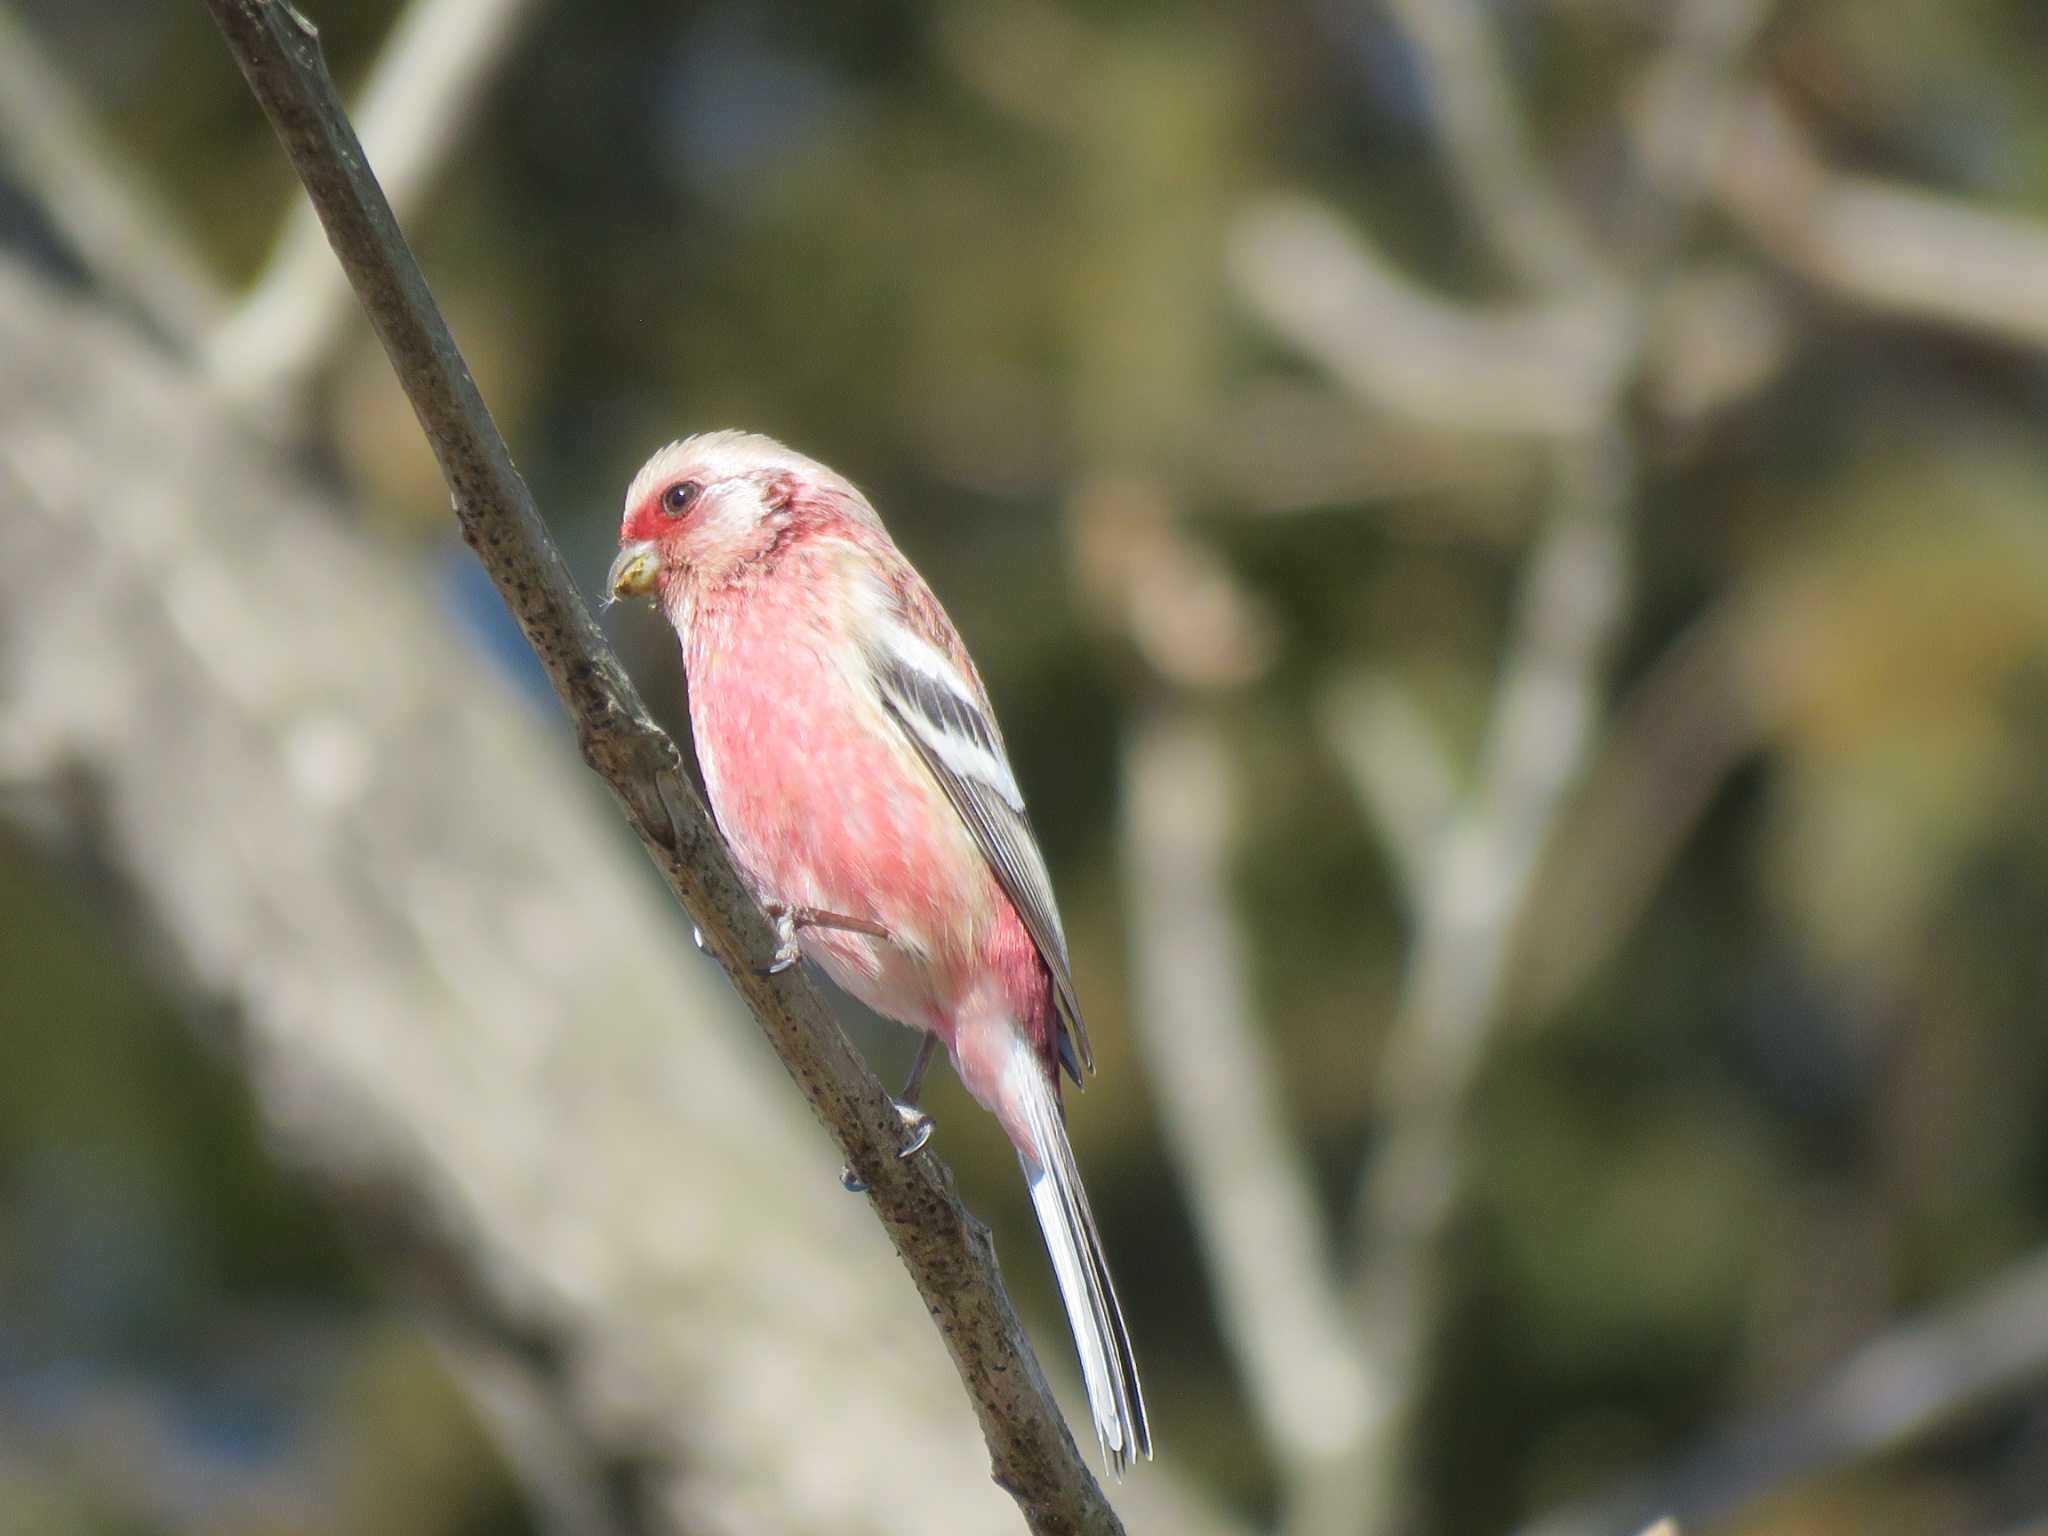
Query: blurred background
point(1509, 539)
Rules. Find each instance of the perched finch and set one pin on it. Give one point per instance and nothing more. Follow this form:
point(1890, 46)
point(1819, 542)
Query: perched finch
point(853, 763)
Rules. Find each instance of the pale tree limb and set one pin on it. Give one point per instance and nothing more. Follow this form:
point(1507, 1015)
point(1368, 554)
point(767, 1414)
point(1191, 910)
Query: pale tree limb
point(1545, 367)
point(1687, 110)
point(1543, 727)
point(1283, 447)
point(1669, 750)
point(1508, 192)
point(1541, 369)
point(1555, 370)
point(1573, 598)
point(1986, 1348)
point(84, 187)
point(422, 98)
point(1196, 631)
point(946, 1251)
point(304, 801)
point(1898, 250)
point(1905, 252)
point(1263, 1239)
point(1400, 772)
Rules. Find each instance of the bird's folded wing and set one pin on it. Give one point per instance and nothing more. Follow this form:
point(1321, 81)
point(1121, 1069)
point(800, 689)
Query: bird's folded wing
point(949, 724)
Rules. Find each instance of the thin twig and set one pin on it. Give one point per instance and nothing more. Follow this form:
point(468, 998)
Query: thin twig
point(422, 96)
point(1400, 772)
point(1668, 751)
point(947, 1252)
point(129, 243)
point(1509, 194)
point(1545, 714)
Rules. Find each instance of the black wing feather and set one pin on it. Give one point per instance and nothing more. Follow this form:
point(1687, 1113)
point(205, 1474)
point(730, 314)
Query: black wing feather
point(930, 712)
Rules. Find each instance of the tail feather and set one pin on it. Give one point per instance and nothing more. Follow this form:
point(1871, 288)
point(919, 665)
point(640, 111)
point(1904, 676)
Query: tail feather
point(1108, 1366)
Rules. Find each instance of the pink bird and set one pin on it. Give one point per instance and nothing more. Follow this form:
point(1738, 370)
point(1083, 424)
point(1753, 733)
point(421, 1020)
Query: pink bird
point(854, 765)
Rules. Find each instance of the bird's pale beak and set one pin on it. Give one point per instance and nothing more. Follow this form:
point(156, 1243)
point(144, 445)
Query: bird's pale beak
point(633, 573)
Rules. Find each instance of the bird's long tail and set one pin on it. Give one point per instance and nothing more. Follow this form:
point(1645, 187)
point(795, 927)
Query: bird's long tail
point(1107, 1365)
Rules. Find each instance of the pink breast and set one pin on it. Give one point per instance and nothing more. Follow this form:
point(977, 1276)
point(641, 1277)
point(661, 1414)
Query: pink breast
point(827, 806)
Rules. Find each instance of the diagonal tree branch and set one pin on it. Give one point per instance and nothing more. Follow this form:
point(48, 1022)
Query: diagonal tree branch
point(947, 1252)
point(369, 869)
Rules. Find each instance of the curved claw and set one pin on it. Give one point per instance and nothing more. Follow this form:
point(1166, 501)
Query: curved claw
point(786, 951)
point(918, 1127)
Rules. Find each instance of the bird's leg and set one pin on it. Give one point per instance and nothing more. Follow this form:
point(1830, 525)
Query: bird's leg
point(913, 1085)
point(788, 919)
point(918, 1126)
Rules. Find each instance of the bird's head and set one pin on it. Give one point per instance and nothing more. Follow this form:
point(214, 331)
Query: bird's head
point(709, 505)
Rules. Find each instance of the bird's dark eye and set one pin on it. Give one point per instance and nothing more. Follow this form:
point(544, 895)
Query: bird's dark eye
point(680, 497)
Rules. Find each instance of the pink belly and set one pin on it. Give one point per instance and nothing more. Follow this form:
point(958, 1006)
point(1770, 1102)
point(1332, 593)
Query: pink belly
point(827, 807)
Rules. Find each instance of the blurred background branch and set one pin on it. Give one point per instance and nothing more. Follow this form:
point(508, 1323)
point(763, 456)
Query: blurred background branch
point(1920, 255)
point(1674, 741)
point(1504, 187)
point(1906, 1385)
point(1543, 726)
point(1541, 368)
point(1527, 660)
point(107, 216)
point(1467, 908)
point(1262, 1235)
point(416, 109)
point(1401, 773)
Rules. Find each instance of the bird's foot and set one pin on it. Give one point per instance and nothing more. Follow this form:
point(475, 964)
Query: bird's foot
point(788, 919)
point(917, 1128)
point(786, 951)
